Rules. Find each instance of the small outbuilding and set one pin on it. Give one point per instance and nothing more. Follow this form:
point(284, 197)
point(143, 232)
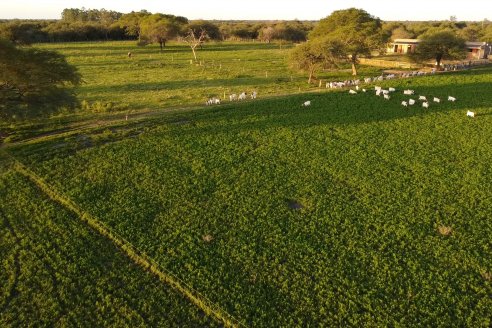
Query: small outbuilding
point(403, 46)
point(478, 50)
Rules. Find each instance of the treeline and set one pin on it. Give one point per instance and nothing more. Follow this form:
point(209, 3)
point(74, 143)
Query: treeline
point(101, 24)
point(469, 31)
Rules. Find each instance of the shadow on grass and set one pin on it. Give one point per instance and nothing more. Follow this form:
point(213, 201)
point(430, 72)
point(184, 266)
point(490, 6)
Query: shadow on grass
point(177, 85)
point(328, 108)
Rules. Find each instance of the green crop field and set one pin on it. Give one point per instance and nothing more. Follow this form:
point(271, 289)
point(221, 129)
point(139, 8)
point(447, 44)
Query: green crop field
point(354, 211)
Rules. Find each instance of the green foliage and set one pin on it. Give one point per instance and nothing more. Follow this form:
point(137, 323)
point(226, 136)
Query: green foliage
point(210, 28)
point(293, 32)
point(131, 22)
point(314, 55)
point(22, 33)
point(289, 216)
point(355, 30)
point(160, 28)
point(55, 270)
point(441, 45)
point(34, 81)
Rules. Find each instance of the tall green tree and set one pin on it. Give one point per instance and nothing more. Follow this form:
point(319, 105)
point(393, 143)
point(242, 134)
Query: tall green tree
point(316, 54)
point(438, 46)
point(160, 28)
point(357, 31)
point(34, 81)
point(131, 22)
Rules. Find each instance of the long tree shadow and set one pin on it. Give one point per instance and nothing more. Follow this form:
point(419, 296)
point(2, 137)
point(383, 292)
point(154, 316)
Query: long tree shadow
point(176, 85)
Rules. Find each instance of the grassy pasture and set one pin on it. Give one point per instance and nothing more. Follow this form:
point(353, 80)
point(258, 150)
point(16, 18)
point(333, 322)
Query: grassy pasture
point(154, 80)
point(354, 211)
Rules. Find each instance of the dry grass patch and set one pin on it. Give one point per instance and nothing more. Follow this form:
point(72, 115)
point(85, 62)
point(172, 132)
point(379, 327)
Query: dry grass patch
point(445, 230)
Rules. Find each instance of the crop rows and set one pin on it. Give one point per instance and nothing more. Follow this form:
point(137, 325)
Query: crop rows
point(56, 271)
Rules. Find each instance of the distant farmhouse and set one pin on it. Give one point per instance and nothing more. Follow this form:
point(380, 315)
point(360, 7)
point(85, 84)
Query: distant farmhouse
point(476, 50)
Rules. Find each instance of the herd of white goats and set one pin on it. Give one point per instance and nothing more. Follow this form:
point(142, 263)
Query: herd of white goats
point(386, 93)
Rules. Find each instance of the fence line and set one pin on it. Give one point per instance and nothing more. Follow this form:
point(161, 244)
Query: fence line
point(138, 257)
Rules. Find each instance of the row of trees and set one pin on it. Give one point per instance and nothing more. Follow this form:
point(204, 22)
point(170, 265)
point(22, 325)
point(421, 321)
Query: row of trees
point(94, 25)
point(470, 31)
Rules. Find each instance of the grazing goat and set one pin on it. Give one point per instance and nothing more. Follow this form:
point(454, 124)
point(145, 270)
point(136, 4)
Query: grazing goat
point(213, 101)
point(404, 103)
point(306, 103)
point(253, 95)
point(453, 99)
point(364, 90)
point(437, 100)
point(408, 92)
point(242, 96)
point(411, 102)
point(470, 114)
point(352, 92)
point(387, 97)
point(233, 97)
point(422, 98)
point(425, 104)
point(391, 89)
point(378, 92)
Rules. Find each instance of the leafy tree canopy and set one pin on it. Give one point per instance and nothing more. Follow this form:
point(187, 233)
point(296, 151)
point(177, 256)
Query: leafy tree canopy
point(438, 46)
point(358, 32)
point(313, 55)
point(160, 28)
point(131, 22)
point(210, 28)
point(23, 33)
point(34, 82)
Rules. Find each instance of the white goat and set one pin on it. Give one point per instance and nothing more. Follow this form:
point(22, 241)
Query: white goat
point(242, 96)
point(408, 92)
point(391, 89)
point(422, 98)
point(411, 102)
point(233, 97)
point(425, 104)
point(352, 92)
point(437, 100)
point(306, 103)
point(253, 95)
point(364, 90)
point(453, 99)
point(404, 103)
point(387, 97)
point(470, 114)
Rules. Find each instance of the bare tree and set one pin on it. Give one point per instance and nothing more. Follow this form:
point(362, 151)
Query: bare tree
point(195, 39)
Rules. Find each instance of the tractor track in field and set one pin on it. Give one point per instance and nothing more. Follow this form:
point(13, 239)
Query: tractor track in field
point(138, 257)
